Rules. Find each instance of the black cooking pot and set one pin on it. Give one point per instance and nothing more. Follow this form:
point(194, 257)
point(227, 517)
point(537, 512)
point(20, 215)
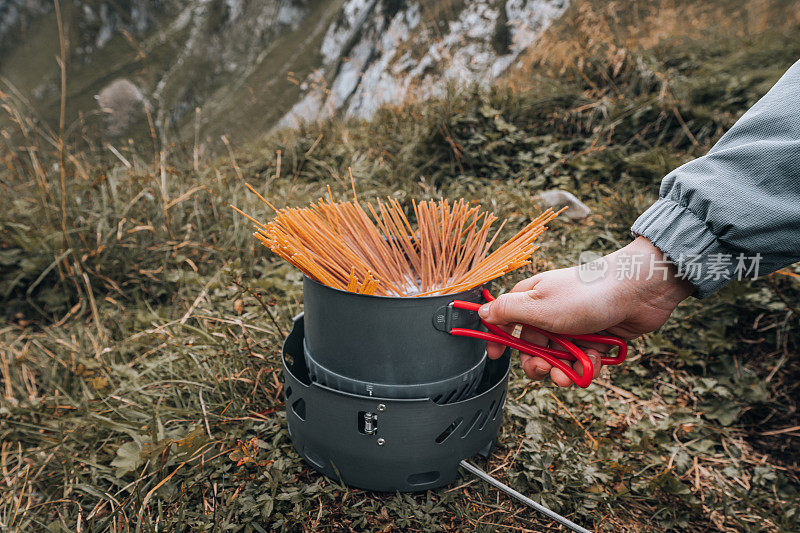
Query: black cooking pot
point(391, 347)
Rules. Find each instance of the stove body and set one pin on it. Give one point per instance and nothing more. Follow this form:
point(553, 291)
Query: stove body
point(388, 444)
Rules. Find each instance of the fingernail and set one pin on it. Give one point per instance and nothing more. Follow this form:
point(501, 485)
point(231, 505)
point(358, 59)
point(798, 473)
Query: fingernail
point(541, 370)
point(484, 311)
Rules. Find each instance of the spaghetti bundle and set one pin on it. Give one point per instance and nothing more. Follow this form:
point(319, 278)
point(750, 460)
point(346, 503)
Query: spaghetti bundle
point(343, 246)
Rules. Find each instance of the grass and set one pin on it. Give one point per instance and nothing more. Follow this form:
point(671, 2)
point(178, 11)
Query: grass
point(139, 364)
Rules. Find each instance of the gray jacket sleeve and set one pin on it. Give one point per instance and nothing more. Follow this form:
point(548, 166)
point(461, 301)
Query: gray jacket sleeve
point(736, 210)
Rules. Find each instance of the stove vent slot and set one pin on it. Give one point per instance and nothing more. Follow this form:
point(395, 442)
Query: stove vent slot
point(449, 430)
point(423, 478)
point(488, 414)
point(472, 424)
point(496, 409)
point(299, 408)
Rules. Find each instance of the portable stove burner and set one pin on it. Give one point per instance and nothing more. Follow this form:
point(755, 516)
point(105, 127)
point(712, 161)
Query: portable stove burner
point(388, 444)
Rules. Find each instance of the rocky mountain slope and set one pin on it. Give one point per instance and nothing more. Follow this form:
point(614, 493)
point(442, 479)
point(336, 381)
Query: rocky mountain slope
point(243, 67)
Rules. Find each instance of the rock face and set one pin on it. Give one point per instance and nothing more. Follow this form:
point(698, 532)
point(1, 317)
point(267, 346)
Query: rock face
point(242, 67)
point(384, 52)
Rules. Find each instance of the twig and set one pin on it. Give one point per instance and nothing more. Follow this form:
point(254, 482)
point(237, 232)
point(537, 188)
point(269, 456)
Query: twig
point(61, 118)
point(93, 306)
point(119, 156)
point(684, 127)
point(781, 431)
point(775, 369)
point(564, 407)
point(205, 413)
point(265, 306)
point(233, 159)
point(621, 392)
point(6, 371)
point(780, 295)
point(236, 322)
point(162, 170)
point(21, 495)
point(277, 169)
point(195, 150)
point(199, 297)
point(158, 486)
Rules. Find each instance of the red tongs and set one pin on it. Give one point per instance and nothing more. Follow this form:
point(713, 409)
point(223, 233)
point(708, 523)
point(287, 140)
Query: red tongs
point(555, 357)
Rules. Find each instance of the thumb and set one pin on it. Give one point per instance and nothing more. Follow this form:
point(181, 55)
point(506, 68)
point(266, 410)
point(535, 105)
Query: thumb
point(518, 307)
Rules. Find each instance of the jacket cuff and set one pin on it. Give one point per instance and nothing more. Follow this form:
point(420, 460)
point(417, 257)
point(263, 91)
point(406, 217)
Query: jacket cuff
point(687, 241)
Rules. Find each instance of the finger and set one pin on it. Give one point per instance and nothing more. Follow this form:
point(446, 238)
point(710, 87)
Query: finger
point(538, 308)
point(494, 350)
point(597, 346)
point(597, 365)
point(558, 377)
point(535, 368)
point(558, 301)
point(594, 357)
point(512, 307)
point(586, 346)
point(534, 337)
point(526, 284)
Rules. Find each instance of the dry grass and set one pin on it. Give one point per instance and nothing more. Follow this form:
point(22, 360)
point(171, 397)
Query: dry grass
point(605, 44)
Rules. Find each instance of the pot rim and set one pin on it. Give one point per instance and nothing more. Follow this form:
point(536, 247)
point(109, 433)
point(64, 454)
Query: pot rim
point(452, 295)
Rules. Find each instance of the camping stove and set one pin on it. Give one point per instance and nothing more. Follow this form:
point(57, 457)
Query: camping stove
point(381, 397)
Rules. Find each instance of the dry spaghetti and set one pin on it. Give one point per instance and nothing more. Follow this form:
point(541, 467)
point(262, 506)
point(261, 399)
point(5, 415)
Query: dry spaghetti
point(379, 252)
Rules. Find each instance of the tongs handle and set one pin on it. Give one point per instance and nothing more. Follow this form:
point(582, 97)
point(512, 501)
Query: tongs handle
point(557, 358)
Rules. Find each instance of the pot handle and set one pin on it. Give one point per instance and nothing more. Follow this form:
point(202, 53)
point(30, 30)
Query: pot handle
point(557, 358)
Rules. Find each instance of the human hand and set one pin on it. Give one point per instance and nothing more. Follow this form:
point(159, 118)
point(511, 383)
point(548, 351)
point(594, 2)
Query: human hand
point(559, 301)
